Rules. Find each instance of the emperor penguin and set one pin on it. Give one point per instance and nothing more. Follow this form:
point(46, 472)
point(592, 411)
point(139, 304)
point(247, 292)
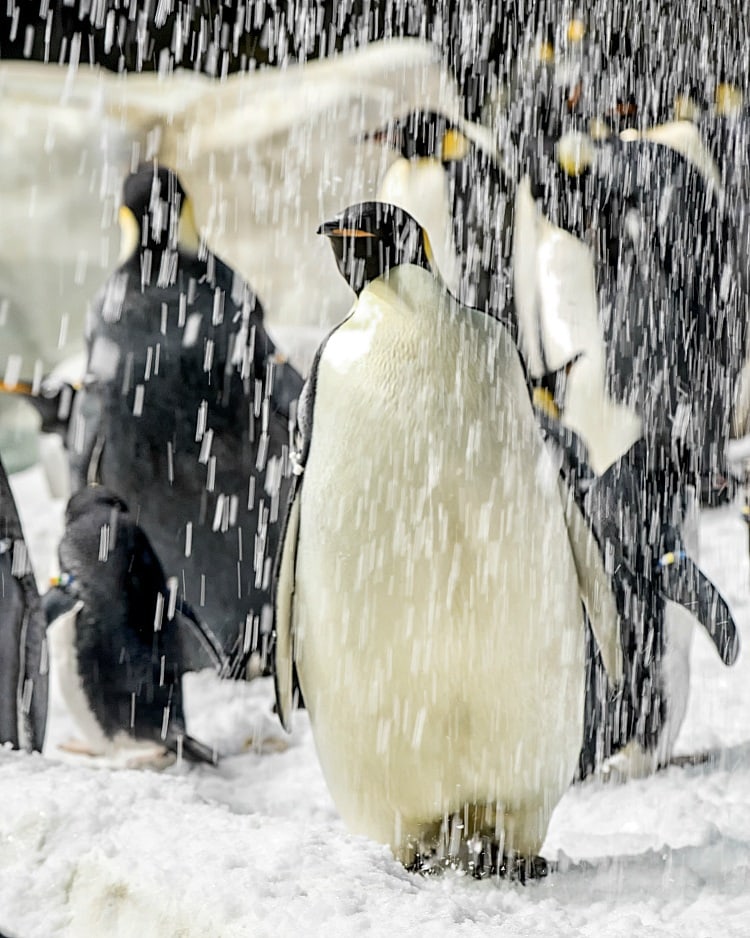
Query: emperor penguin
point(615, 224)
point(450, 177)
point(599, 253)
point(120, 640)
point(439, 649)
point(23, 646)
point(186, 412)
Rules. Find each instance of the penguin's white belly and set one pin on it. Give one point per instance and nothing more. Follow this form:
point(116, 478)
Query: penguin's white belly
point(439, 632)
point(64, 668)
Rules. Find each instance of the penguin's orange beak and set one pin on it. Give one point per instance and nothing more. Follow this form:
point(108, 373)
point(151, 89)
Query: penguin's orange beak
point(333, 229)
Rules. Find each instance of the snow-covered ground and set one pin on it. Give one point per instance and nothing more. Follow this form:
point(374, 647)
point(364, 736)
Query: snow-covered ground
point(255, 847)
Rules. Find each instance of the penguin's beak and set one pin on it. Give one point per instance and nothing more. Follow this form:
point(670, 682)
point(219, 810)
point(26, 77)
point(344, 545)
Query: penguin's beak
point(382, 135)
point(337, 229)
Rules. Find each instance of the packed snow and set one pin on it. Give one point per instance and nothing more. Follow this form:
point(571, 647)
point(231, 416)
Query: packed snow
point(255, 846)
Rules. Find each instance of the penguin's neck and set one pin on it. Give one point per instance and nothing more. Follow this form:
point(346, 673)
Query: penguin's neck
point(411, 291)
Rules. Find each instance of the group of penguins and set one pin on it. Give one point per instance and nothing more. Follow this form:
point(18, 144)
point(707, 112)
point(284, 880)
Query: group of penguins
point(453, 542)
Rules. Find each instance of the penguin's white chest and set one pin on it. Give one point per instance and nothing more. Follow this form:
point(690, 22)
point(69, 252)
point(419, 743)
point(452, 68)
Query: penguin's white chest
point(421, 188)
point(61, 636)
point(439, 633)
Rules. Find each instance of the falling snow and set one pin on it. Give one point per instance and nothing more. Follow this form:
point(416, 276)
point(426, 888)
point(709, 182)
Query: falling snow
point(580, 171)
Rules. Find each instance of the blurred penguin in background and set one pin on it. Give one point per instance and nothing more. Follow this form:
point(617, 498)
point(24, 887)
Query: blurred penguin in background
point(23, 651)
point(186, 413)
point(449, 176)
point(629, 300)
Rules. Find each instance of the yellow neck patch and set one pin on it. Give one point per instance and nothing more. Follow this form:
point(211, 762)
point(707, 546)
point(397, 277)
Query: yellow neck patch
point(546, 53)
point(544, 402)
point(188, 236)
point(729, 100)
point(429, 253)
point(455, 146)
point(576, 30)
point(130, 233)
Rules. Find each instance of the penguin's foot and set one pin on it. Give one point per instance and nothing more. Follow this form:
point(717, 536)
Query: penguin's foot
point(78, 747)
point(632, 761)
point(153, 761)
point(519, 868)
point(265, 745)
point(481, 858)
point(692, 759)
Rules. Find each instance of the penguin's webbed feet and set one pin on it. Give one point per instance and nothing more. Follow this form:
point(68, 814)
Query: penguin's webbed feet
point(517, 868)
point(482, 859)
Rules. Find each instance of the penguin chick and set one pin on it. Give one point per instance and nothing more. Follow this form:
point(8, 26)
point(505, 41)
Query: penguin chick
point(23, 654)
point(119, 640)
point(449, 177)
point(186, 412)
point(440, 656)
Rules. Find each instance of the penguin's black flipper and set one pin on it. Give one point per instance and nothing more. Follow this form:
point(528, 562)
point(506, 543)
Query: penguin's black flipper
point(23, 656)
point(198, 646)
point(286, 385)
point(285, 674)
point(85, 437)
point(284, 671)
point(572, 450)
point(595, 584)
point(685, 583)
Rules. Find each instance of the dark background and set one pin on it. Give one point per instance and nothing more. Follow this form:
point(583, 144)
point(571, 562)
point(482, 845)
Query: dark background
point(219, 37)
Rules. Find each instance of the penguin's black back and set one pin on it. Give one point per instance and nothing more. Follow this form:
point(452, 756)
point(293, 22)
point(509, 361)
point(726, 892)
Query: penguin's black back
point(23, 672)
point(128, 648)
point(192, 414)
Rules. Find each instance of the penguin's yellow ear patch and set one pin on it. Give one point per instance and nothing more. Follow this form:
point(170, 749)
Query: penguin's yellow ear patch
point(546, 53)
point(455, 146)
point(576, 30)
point(729, 99)
point(575, 153)
point(544, 401)
point(188, 236)
point(130, 233)
point(429, 253)
point(349, 233)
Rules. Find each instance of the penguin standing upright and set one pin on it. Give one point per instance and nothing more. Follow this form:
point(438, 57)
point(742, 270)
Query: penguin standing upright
point(634, 509)
point(644, 354)
point(186, 412)
point(23, 653)
point(441, 657)
point(450, 177)
point(663, 261)
point(119, 639)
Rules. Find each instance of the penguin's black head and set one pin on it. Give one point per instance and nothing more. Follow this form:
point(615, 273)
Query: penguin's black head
point(371, 238)
point(90, 498)
point(424, 135)
point(156, 213)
